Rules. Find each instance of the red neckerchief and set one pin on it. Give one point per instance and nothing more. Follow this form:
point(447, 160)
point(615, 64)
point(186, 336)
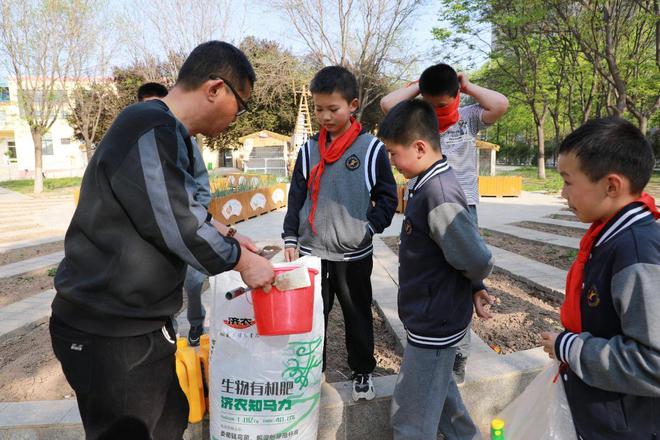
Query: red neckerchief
point(337, 147)
point(570, 309)
point(448, 115)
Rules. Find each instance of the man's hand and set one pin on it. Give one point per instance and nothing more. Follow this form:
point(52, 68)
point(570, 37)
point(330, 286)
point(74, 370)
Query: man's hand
point(290, 254)
point(481, 300)
point(548, 343)
point(463, 82)
point(256, 271)
point(246, 242)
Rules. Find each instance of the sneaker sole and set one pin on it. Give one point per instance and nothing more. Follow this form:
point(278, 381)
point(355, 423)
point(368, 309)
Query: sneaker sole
point(367, 395)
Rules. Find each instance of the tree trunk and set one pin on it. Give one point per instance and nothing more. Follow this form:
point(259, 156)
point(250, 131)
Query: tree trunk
point(38, 164)
point(541, 139)
point(643, 124)
point(88, 150)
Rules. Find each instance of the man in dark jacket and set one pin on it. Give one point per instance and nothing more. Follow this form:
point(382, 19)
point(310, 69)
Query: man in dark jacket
point(135, 230)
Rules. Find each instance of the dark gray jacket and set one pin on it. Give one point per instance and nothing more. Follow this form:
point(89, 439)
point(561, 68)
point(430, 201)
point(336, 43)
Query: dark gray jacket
point(357, 198)
point(440, 256)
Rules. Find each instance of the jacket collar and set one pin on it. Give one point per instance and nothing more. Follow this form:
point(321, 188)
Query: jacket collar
point(441, 166)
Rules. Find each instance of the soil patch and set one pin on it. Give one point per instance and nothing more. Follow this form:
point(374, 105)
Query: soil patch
point(552, 254)
point(388, 357)
point(567, 217)
point(520, 314)
point(566, 231)
point(23, 285)
point(30, 370)
point(30, 252)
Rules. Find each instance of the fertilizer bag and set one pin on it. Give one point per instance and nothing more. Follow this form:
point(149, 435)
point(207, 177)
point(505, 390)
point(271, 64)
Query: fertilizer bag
point(263, 387)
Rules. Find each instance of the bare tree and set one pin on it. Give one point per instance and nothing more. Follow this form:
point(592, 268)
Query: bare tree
point(173, 34)
point(367, 37)
point(40, 40)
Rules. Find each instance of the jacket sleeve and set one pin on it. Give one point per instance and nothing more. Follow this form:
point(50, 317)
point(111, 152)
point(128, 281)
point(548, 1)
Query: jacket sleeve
point(203, 193)
point(454, 231)
point(627, 363)
point(158, 194)
point(383, 191)
point(297, 196)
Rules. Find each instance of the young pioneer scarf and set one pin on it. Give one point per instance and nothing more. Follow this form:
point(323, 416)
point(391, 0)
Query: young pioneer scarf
point(329, 155)
point(448, 115)
point(570, 309)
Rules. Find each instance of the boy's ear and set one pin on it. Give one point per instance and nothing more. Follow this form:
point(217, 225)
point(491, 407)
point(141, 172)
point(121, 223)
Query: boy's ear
point(421, 148)
point(617, 185)
point(353, 105)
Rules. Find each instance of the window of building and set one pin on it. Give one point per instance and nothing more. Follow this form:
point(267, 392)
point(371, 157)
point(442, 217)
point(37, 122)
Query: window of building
point(65, 141)
point(11, 149)
point(4, 94)
point(47, 147)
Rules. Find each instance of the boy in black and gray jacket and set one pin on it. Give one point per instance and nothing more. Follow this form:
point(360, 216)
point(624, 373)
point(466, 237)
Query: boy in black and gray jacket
point(610, 350)
point(342, 193)
point(441, 256)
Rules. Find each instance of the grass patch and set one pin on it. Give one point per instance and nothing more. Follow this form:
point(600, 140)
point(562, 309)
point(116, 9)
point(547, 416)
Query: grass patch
point(530, 182)
point(26, 186)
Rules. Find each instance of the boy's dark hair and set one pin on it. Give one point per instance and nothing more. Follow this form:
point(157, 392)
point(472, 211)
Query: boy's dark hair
point(216, 59)
point(439, 80)
point(150, 90)
point(611, 145)
point(335, 79)
point(411, 120)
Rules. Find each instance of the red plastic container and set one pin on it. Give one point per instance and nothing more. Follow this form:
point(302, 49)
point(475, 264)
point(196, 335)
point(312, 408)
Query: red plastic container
point(284, 313)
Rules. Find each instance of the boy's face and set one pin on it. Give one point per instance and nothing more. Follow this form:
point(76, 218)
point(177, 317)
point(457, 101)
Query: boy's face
point(439, 101)
point(333, 112)
point(587, 199)
point(406, 158)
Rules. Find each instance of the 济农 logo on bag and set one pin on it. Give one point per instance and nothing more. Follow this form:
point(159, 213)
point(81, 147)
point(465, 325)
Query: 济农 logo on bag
point(239, 323)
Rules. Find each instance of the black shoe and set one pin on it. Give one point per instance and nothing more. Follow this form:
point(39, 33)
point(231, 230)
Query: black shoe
point(363, 387)
point(194, 334)
point(459, 368)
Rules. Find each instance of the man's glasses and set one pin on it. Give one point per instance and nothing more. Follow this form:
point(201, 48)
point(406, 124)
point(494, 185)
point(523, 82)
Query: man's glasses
point(242, 105)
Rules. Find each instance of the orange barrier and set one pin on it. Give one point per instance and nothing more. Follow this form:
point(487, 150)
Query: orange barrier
point(500, 186)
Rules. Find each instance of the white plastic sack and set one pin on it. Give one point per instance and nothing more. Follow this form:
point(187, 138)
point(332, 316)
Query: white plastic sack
point(263, 387)
point(541, 412)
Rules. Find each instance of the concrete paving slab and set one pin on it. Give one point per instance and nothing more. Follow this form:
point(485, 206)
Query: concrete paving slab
point(564, 223)
point(43, 412)
point(24, 312)
point(545, 276)
point(9, 270)
point(19, 244)
point(543, 237)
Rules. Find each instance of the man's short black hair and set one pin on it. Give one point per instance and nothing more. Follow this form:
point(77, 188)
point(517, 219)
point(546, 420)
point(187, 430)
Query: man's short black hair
point(151, 90)
point(611, 145)
point(335, 79)
point(439, 80)
point(409, 121)
point(218, 59)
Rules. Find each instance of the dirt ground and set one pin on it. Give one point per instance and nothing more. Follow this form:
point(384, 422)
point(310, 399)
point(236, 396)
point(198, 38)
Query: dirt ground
point(30, 370)
point(388, 358)
point(23, 285)
point(565, 231)
point(520, 314)
point(567, 217)
point(30, 252)
point(557, 256)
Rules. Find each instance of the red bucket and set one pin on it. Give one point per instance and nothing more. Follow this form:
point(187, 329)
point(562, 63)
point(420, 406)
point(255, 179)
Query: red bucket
point(284, 313)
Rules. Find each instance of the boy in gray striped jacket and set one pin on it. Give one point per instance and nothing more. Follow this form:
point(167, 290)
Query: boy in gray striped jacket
point(441, 256)
point(342, 193)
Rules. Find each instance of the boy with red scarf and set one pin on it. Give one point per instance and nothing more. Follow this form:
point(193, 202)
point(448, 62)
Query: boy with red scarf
point(610, 350)
point(440, 85)
point(342, 193)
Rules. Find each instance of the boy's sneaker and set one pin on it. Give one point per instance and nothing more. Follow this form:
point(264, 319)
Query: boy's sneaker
point(459, 368)
point(196, 331)
point(363, 387)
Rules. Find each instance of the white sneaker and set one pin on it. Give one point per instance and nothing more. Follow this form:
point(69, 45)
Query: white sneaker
point(363, 387)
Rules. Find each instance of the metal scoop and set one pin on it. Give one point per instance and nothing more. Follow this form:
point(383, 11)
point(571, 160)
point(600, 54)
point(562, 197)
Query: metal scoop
point(289, 280)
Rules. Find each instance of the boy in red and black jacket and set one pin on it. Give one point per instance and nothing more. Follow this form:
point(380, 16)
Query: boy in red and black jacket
point(610, 350)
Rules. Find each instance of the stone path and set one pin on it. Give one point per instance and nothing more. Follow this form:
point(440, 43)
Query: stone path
point(25, 312)
point(9, 270)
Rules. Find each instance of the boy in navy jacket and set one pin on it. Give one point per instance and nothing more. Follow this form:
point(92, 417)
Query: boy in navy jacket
point(441, 255)
point(610, 350)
